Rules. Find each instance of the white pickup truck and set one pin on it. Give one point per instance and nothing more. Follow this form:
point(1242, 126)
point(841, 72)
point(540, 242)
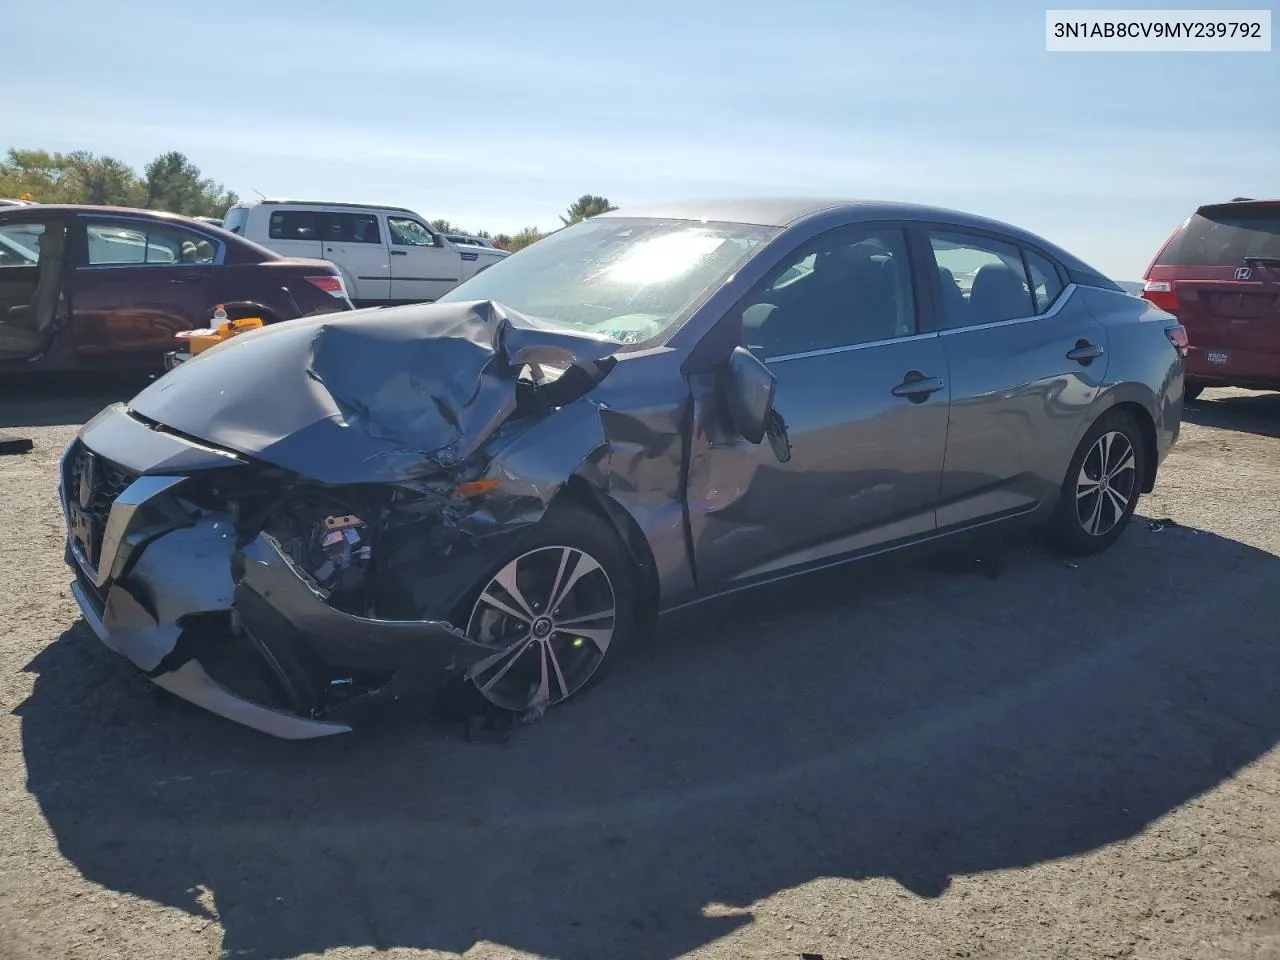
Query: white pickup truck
point(387, 255)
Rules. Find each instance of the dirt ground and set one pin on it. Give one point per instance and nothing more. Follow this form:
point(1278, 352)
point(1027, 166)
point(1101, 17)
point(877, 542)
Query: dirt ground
point(1018, 757)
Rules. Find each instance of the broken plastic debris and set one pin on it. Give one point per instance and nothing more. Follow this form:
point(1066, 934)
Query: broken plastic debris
point(1155, 526)
point(534, 713)
point(343, 522)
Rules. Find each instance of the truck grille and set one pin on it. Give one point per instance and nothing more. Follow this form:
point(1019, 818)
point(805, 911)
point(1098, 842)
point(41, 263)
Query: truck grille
point(93, 484)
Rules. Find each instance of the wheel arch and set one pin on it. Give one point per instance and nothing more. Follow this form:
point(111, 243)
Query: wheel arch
point(580, 492)
point(237, 309)
point(1131, 402)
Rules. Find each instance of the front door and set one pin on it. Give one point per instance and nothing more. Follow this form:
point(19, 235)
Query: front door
point(1026, 361)
point(32, 255)
point(136, 284)
point(423, 266)
point(862, 390)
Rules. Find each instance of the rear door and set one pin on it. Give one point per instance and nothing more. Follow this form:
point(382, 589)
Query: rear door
point(137, 283)
point(423, 266)
point(355, 242)
point(1224, 266)
point(1026, 360)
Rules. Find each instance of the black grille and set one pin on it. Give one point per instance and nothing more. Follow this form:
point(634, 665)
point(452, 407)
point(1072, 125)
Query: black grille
point(106, 481)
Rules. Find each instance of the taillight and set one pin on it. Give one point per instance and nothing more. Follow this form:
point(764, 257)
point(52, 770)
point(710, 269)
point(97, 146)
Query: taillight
point(1162, 293)
point(330, 284)
point(1178, 337)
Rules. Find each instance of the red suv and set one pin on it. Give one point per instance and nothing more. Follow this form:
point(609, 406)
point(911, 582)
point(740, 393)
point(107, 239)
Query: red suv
point(1220, 274)
point(85, 286)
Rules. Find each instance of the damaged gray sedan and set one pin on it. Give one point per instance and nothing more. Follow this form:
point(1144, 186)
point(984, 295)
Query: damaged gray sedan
point(336, 519)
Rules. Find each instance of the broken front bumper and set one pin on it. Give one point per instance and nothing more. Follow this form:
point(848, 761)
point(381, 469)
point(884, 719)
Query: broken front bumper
point(154, 580)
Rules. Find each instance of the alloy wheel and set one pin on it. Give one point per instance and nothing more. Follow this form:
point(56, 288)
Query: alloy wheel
point(1106, 485)
point(549, 614)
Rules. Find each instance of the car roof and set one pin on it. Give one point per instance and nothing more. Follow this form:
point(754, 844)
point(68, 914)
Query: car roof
point(41, 209)
point(289, 202)
point(1241, 204)
point(788, 211)
point(785, 211)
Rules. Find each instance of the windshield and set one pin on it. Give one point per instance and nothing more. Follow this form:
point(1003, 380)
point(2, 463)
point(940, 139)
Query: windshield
point(630, 280)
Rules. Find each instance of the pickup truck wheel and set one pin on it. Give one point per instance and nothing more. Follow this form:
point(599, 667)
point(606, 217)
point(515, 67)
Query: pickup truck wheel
point(1192, 391)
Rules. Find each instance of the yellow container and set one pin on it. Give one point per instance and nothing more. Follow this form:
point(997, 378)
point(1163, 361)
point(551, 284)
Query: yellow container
point(202, 340)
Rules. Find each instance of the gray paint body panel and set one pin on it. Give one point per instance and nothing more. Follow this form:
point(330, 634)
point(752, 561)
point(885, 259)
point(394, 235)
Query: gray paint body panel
point(398, 397)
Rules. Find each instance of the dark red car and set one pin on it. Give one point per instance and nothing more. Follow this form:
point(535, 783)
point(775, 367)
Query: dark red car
point(85, 286)
point(1220, 274)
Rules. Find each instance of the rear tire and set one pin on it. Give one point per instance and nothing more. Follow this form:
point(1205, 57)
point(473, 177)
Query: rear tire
point(1101, 489)
point(1192, 391)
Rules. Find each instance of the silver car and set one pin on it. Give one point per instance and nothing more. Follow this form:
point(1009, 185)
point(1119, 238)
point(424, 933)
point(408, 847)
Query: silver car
point(346, 517)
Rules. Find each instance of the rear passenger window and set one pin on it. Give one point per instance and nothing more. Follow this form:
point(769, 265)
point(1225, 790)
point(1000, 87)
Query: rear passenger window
point(294, 225)
point(1046, 283)
point(983, 281)
point(351, 228)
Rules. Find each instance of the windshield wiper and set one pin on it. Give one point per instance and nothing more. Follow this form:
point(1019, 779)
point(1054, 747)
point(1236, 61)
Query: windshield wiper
point(1265, 261)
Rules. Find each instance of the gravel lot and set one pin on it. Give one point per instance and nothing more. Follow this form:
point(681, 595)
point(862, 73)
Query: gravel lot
point(1016, 757)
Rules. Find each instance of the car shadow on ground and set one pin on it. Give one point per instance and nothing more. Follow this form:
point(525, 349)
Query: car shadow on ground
point(905, 720)
point(52, 400)
point(1257, 413)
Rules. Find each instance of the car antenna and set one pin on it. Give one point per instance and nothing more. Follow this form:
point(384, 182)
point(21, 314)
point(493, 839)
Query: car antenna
point(261, 195)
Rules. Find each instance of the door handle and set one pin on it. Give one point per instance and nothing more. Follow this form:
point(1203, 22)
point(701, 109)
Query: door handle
point(916, 387)
point(399, 253)
point(185, 278)
point(1085, 352)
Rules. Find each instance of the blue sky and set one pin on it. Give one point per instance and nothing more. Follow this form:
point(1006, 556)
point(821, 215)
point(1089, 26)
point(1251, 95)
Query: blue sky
point(497, 114)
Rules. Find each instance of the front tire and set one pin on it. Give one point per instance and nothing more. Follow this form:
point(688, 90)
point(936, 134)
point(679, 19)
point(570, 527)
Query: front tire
point(561, 599)
point(1101, 489)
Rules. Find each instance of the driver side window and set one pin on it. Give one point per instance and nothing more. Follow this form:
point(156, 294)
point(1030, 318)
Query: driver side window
point(843, 289)
point(409, 233)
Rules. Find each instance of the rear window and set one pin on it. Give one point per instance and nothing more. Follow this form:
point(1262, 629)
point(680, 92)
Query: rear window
point(1224, 237)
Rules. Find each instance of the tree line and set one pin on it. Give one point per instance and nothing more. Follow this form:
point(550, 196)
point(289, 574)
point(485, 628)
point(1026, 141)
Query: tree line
point(587, 205)
point(171, 182)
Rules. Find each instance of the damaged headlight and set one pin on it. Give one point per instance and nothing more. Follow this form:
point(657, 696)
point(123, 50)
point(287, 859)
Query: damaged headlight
point(332, 544)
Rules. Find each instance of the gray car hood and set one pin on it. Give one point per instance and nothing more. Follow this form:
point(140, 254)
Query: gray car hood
point(367, 396)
